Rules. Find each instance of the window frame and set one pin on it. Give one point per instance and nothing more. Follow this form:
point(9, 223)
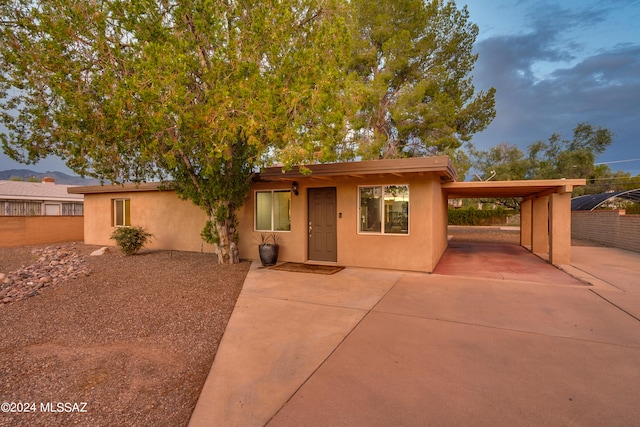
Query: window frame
point(272, 225)
point(383, 211)
point(126, 212)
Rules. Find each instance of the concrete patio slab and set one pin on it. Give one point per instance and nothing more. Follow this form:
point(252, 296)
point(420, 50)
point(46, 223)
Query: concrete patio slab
point(617, 267)
point(376, 347)
point(270, 348)
point(499, 261)
point(359, 288)
point(283, 327)
point(627, 301)
point(411, 371)
point(574, 312)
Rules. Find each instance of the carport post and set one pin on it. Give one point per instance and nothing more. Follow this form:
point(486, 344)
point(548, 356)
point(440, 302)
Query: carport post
point(560, 228)
point(540, 226)
point(525, 223)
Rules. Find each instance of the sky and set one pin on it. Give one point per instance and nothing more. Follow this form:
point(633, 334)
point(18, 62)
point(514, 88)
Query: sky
point(554, 64)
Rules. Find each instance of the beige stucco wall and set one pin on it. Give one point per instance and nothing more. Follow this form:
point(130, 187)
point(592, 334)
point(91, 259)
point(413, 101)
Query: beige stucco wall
point(176, 224)
point(559, 228)
point(35, 230)
point(440, 222)
point(420, 250)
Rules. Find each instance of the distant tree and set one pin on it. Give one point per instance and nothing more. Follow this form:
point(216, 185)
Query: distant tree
point(201, 92)
point(561, 158)
point(503, 162)
point(413, 59)
point(604, 180)
point(551, 159)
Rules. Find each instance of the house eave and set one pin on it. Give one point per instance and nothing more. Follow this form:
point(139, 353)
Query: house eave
point(507, 189)
point(441, 165)
point(123, 188)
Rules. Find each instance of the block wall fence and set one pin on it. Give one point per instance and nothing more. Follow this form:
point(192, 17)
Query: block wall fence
point(37, 230)
point(610, 228)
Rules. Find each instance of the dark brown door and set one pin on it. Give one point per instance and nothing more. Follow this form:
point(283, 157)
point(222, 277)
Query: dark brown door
point(323, 241)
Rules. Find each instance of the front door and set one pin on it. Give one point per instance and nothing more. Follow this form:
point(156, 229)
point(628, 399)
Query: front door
point(323, 240)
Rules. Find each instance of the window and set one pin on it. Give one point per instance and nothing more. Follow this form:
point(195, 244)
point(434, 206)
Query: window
point(52, 208)
point(384, 209)
point(73, 208)
point(20, 208)
point(121, 212)
point(273, 210)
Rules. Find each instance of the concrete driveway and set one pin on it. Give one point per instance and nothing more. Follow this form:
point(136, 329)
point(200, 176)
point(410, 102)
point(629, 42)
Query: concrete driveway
point(379, 348)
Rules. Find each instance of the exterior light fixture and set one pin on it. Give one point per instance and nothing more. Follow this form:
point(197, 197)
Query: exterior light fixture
point(294, 187)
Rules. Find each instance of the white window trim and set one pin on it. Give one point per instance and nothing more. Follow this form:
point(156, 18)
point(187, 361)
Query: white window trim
point(255, 207)
point(382, 232)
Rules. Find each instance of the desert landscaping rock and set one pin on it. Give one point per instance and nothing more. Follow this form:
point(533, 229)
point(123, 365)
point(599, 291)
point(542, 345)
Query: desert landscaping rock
point(55, 264)
point(100, 251)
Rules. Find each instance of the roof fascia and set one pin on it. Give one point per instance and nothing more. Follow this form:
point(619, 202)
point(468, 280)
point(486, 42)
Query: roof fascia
point(438, 164)
point(124, 188)
point(524, 188)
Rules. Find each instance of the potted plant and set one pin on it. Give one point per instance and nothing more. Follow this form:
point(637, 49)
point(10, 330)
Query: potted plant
point(268, 247)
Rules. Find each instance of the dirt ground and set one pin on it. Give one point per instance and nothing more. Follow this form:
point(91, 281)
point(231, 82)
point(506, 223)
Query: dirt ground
point(130, 344)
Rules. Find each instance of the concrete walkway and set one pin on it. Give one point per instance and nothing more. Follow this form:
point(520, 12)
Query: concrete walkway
point(377, 347)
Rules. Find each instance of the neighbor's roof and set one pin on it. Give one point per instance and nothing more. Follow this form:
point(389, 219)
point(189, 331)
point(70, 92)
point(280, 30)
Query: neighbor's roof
point(441, 165)
point(45, 191)
point(506, 189)
point(591, 201)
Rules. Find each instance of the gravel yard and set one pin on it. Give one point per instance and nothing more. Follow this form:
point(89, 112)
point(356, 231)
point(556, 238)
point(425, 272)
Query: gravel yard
point(131, 343)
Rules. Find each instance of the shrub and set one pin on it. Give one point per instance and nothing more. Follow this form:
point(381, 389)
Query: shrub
point(472, 216)
point(130, 239)
point(632, 209)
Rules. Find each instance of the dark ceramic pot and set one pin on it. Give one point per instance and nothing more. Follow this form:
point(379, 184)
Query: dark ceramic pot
point(268, 254)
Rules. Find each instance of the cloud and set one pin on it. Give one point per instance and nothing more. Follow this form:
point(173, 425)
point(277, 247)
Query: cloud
point(600, 87)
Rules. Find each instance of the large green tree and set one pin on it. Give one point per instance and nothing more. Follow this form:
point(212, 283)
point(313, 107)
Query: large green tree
point(414, 59)
point(196, 91)
point(502, 162)
point(552, 159)
point(569, 158)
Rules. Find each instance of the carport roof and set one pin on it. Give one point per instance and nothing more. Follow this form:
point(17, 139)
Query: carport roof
point(506, 189)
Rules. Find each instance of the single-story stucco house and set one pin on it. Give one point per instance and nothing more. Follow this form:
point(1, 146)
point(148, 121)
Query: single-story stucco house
point(380, 213)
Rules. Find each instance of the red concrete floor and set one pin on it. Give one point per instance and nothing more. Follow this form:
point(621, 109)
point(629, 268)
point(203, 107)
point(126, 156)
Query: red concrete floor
point(499, 261)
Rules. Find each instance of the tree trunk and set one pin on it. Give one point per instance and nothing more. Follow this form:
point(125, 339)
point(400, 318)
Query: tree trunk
point(225, 230)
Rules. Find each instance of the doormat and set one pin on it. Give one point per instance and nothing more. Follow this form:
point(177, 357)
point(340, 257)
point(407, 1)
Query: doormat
point(298, 267)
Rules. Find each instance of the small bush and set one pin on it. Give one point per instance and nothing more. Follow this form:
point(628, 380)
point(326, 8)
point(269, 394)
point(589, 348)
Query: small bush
point(632, 209)
point(472, 216)
point(130, 239)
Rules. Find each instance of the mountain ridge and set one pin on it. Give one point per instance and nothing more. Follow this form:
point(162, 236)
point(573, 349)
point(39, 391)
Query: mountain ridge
point(60, 177)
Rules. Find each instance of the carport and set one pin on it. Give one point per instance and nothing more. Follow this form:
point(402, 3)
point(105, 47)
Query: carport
point(545, 211)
